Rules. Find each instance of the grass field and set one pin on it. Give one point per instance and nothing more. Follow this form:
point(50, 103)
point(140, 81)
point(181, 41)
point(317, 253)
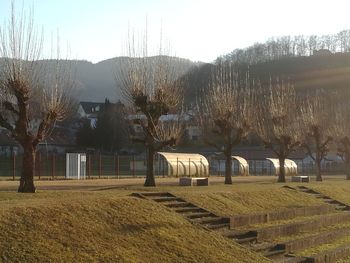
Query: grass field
point(104, 227)
point(98, 220)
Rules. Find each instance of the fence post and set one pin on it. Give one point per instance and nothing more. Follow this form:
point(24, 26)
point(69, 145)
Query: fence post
point(219, 167)
point(13, 165)
point(255, 167)
point(262, 167)
point(159, 164)
point(116, 161)
point(39, 164)
point(189, 167)
point(133, 166)
point(302, 167)
point(89, 166)
point(53, 166)
point(99, 166)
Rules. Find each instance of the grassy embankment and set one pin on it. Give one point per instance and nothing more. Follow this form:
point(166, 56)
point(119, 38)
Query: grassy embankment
point(111, 226)
point(104, 227)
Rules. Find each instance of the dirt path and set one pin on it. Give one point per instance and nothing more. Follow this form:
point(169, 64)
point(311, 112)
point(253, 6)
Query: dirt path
point(99, 184)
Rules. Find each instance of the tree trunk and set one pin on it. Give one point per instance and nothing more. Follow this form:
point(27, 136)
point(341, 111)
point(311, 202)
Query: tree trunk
point(28, 166)
point(318, 169)
point(228, 169)
point(282, 171)
point(150, 181)
point(347, 165)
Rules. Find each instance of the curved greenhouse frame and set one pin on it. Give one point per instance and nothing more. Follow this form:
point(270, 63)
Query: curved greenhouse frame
point(243, 165)
point(290, 166)
point(186, 164)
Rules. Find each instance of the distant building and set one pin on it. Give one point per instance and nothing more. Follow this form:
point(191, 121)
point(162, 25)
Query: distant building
point(90, 110)
point(322, 52)
point(192, 132)
point(60, 140)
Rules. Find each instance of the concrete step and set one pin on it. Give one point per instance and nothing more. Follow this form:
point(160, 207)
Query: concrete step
point(179, 204)
point(210, 220)
point(290, 258)
point(168, 199)
point(218, 226)
point(242, 237)
point(156, 194)
point(262, 247)
point(229, 234)
point(319, 195)
point(274, 253)
point(200, 215)
point(331, 201)
point(245, 240)
point(184, 210)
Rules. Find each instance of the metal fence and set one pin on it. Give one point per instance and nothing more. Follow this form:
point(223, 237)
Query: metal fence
point(53, 166)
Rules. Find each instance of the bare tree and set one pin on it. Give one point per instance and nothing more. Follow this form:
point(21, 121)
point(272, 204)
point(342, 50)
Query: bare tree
point(318, 117)
point(278, 120)
point(28, 91)
point(226, 112)
point(343, 132)
point(150, 85)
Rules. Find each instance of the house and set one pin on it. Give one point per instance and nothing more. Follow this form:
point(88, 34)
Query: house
point(192, 132)
point(322, 52)
point(90, 110)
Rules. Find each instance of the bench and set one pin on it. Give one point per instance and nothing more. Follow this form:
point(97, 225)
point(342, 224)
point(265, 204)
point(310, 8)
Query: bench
point(301, 179)
point(189, 181)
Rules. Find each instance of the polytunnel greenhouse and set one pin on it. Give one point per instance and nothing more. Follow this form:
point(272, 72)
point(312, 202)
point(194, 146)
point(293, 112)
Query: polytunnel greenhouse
point(184, 164)
point(290, 166)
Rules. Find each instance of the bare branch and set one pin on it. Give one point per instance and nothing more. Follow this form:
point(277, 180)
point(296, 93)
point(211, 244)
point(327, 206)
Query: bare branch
point(151, 87)
point(28, 91)
point(278, 119)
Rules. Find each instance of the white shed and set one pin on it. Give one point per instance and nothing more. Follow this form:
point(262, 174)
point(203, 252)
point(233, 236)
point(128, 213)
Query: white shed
point(75, 166)
point(185, 164)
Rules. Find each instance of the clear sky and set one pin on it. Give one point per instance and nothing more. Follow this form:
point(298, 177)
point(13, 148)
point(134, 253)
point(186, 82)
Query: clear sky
point(200, 30)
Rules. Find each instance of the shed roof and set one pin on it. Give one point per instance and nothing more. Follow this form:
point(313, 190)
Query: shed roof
point(240, 159)
point(170, 156)
point(186, 164)
point(90, 107)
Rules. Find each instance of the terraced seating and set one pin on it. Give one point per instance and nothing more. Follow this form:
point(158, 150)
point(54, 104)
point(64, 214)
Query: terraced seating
point(308, 239)
point(288, 235)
